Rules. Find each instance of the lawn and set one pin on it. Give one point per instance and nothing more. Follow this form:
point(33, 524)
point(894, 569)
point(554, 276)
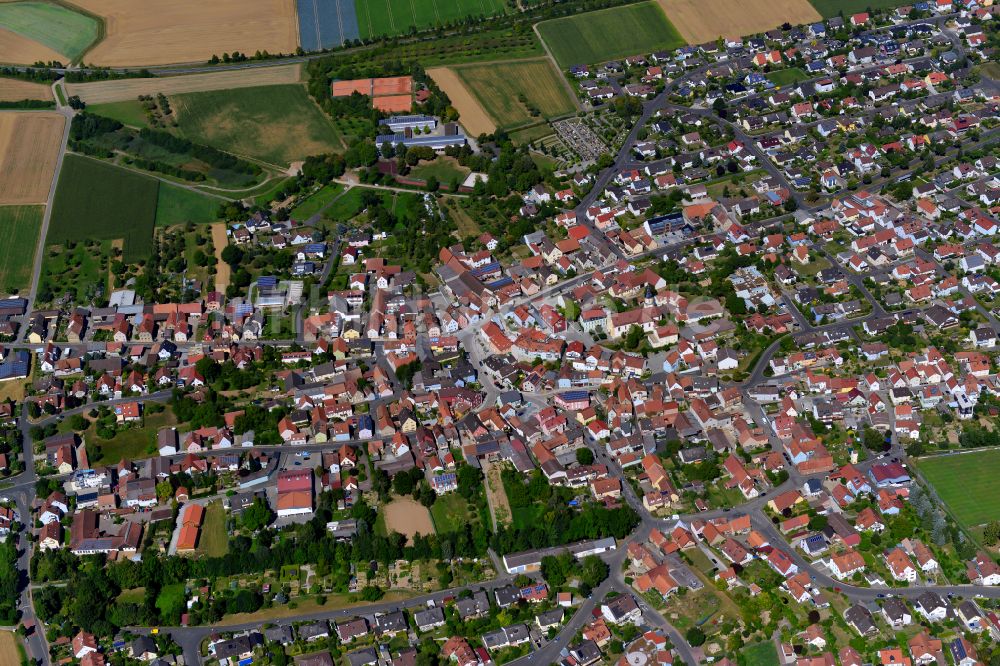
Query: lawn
point(394, 17)
point(129, 112)
point(131, 443)
point(603, 35)
point(317, 202)
point(177, 205)
point(214, 540)
point(760, 654)
point(829, 8)
point(19, 227)
point(518, 93)
point(276, 124)
point(444, 169)
point(450, 513)
point(171, 599)
point(61, 29)
point(966, 482)
point(96, 200)
point(788, 76)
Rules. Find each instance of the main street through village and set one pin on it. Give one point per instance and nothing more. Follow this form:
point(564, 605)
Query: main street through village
point(22, 487)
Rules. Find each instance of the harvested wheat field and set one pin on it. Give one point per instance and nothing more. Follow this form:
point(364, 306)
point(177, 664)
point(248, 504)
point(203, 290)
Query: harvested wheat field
point(408, 517)
point(219, 242)
point(144, 33)
point(472, 115)
point(14, 90)
point(29, 152)
point(121, 90)
point(701, 21)
point(19, 50)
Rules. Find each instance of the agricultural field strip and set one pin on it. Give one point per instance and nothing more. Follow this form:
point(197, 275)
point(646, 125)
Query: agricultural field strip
point(101, 92)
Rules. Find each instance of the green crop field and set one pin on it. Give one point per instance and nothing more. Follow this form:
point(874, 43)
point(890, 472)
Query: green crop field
point(395, 17)
point(609, 33)
point(57, 27)
point(276, 124)
point(96, 200)
point(19, 227)
point(829, 8)
point(177, 205)
point(966, 483)
point(518, 93)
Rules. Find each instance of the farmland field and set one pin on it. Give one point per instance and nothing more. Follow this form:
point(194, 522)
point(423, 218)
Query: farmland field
point(14, 90)
point(11, 651)
point(95, 200)
point(142, 33)
point(472, 115)
point(29, 152)
point(19, 227)
point(510, 91)
point(276, 124)
point(177, 205)
point(609, 33)
point(326, 23)
point(120, 90)
point(966, 482)
point(829, 8)
point(394, 17)
point(57, 27)
point(19, 50)
point(700, 21)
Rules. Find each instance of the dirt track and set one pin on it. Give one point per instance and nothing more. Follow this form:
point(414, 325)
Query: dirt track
point(700, 21)
point(14, 90)
point(99, 92)
point(159, 33)
point(219, 242)
point(473, 117)
point(18, 50)
point(29, 151)
point(406, 516)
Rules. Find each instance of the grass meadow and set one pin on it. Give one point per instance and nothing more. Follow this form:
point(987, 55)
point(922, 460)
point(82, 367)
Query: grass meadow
point(177, 205)
point(275, 124)
point(609, 33)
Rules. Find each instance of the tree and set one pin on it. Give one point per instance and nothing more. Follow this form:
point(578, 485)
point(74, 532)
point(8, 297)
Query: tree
point(695, 637)
point(257, 515)
point(584, 456)
point(991, 535)
point(403, 483)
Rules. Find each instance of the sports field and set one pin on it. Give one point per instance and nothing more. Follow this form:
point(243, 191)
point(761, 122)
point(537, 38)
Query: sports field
point(19, 227)
point(14, 90)
point(830, 8)
point(276, 124)
point(517, 93)
point(405, 516)
point(63, 30)
point(121, 90)
point(700, 21)
point(966, 482)
point(29, 152)
point(609, 33)
point(395, 17)
point(96, 200)
point(157, 33)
